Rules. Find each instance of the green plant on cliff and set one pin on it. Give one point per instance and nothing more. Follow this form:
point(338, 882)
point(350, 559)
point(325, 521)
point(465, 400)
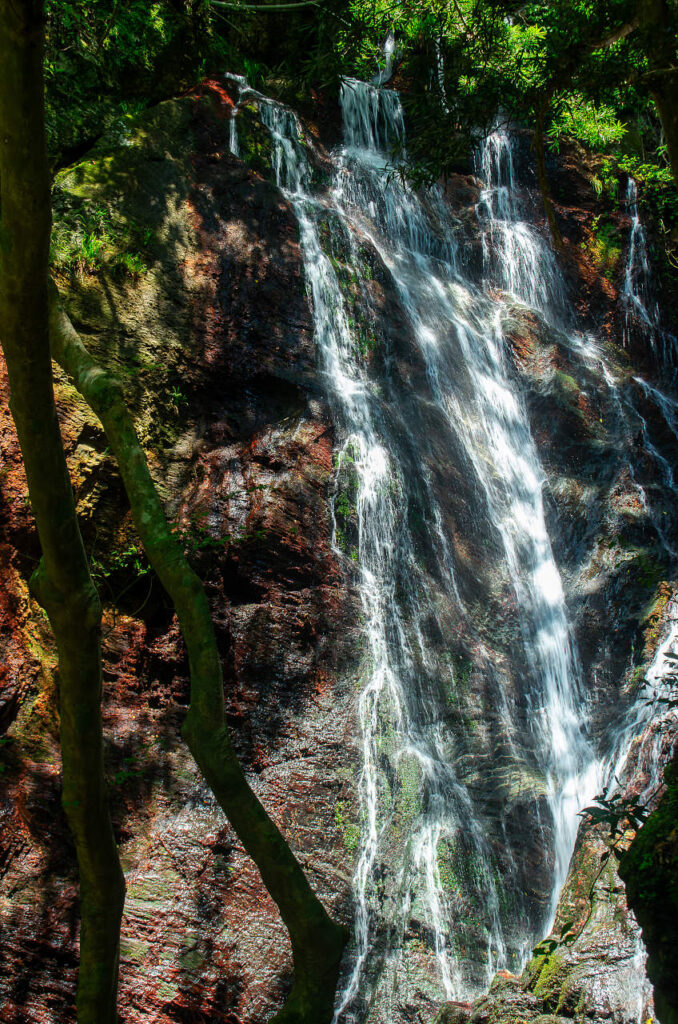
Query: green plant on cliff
point(86, 239)
point(102, 58)
point(604, 246)
point(350, 831)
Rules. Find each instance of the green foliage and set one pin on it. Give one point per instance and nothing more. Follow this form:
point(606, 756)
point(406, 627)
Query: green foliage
point(86, 239)
point(365, 341)
point(547, 947)
point(606, 181)
point(350, 832)
point(129, 771)
point(132, 264)
point(106, 59)
point(619, 813)
point(130, 561)
point(345, 499)
point(651, 857)
point(595, 125)
point(604, 246)
point(196, 536)
point(178, 397)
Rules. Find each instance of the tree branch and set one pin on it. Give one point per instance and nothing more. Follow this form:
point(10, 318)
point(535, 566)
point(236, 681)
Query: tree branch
point(264, 8)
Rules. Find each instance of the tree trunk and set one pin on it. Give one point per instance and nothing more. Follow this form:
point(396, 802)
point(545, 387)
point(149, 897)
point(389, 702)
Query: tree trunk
point(317, 942)
point(658, 39)
point(664, 91)
point(542, 178)
point(650, 871)
point(62, 583)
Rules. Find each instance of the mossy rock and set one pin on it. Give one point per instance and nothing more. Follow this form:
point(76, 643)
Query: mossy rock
point(409, 789)
point(452, 1013)
point(549, 975)
point(566, 385)
point(254, 140)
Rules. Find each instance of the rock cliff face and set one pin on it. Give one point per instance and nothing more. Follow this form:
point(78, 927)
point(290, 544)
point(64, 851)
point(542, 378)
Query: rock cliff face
point(182, 268)
point(214, 344)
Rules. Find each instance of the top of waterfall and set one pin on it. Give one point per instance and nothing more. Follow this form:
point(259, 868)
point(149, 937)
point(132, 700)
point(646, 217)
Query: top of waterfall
point(385, 73)
point(373, 117)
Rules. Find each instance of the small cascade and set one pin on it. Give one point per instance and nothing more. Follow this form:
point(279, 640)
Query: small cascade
point(636, 292)
point(386, 73)
point(667, 406)
point(643, 739)
point(648, 730)
point(440, 75)
point(630, 425)
point(516, 258)
point(240, 82)
point(641, 312)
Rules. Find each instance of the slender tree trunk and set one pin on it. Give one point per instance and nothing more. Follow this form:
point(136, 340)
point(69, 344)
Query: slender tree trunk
point(317, 942)
point(542, 177)
point(664, 91)
point(658, 39)
point(649, 870)
point(62, 584)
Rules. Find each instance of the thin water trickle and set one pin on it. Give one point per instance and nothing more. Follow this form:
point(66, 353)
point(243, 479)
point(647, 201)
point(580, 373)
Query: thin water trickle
point(636, 746)
point(641, 310)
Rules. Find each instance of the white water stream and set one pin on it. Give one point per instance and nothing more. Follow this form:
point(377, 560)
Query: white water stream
point(414, 793)
point(641, 310)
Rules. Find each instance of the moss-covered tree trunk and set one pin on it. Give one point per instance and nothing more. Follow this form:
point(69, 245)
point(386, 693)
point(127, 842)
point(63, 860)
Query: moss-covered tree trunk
point(650, 872)
point(317, 942)
point(664, 91)
point(542, 177)
point(659, 39)
point(62, 583)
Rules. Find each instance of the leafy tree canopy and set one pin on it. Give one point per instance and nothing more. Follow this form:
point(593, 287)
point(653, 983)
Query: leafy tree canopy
point(601, 74)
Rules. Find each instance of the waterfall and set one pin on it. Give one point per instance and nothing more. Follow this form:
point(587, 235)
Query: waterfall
point(641, 312)
point(637, 746)
point(442, 876)
point(515, 256)
point(636, 291)
point(386, 73)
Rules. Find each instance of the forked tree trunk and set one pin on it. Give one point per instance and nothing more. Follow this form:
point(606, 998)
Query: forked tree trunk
point(317, 941)
point(62, 583)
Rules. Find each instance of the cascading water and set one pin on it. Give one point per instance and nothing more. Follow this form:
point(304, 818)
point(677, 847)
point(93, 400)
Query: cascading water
point(641, 311)
point(636, 278)
point(646, 748)
point(515, 256)
point(440, 862)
